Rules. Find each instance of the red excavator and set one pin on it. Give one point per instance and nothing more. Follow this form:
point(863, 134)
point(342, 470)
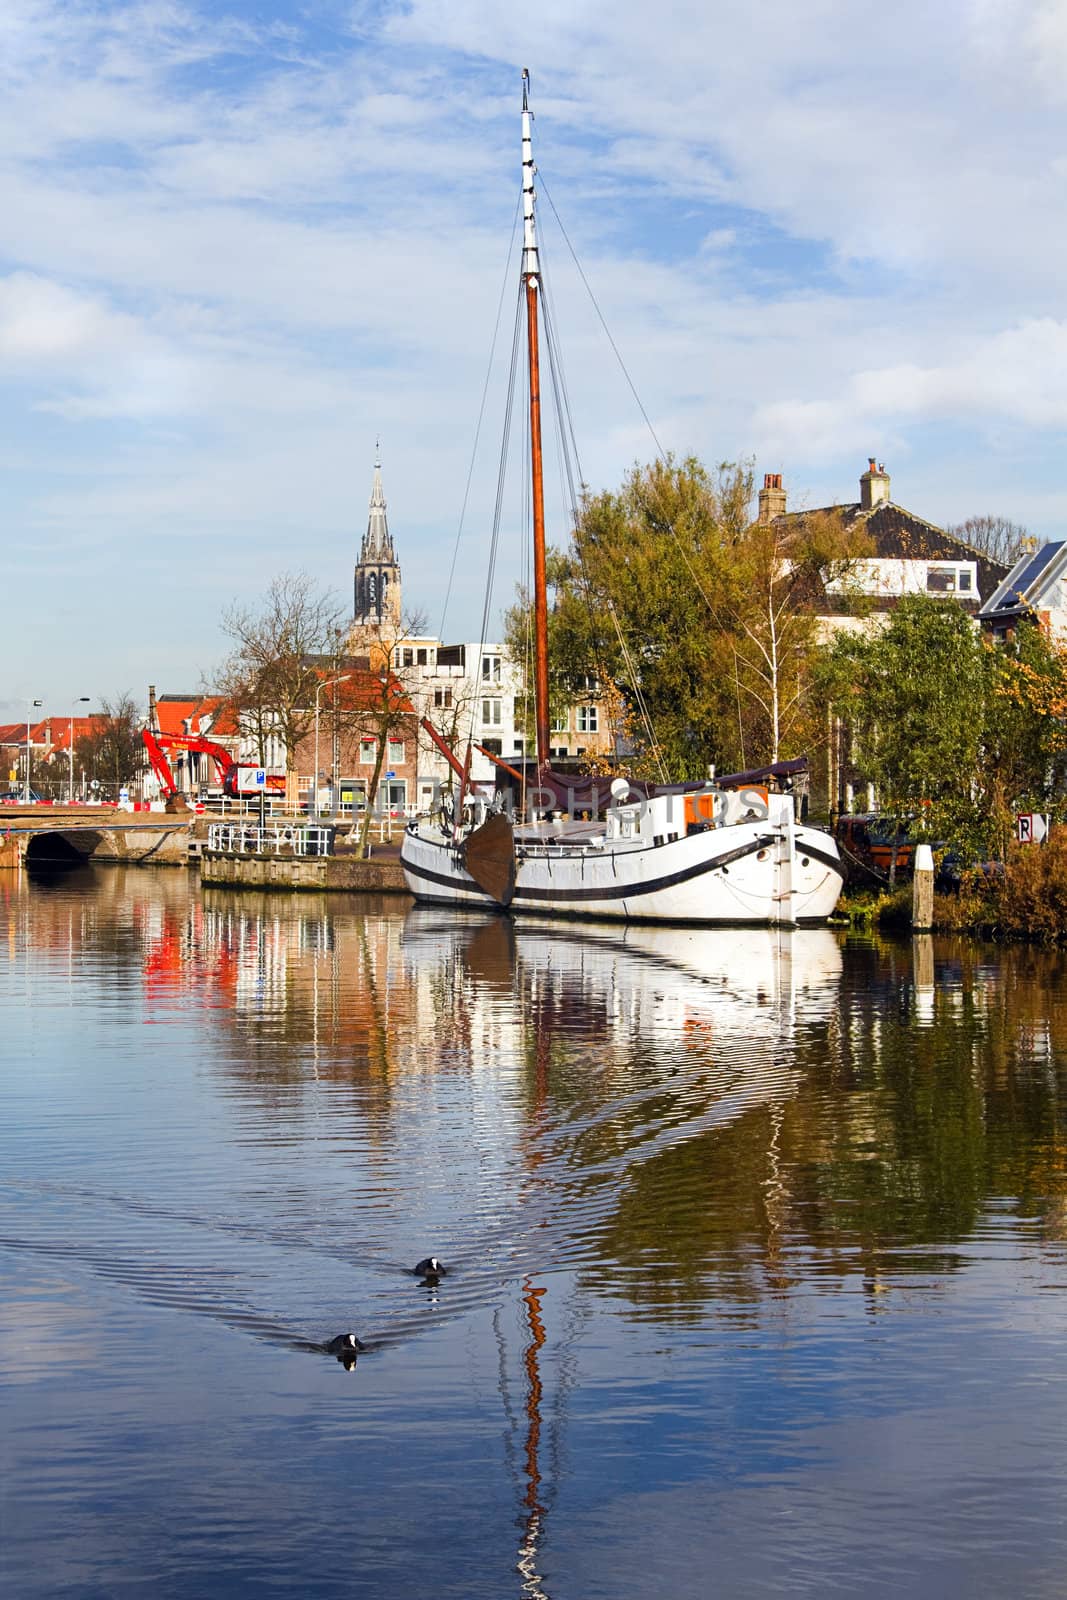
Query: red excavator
point(228, 768)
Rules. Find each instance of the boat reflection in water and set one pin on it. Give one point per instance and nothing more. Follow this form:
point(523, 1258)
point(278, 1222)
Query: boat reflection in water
point(630, 1043)
point(681, 1032)
point(738, 989)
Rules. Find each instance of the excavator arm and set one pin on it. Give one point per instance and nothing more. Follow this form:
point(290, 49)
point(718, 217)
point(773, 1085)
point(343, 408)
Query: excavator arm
point(157, 743)
point(159, 763)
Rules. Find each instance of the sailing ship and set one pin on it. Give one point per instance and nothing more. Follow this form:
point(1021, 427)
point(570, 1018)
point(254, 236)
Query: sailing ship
point(734, 853)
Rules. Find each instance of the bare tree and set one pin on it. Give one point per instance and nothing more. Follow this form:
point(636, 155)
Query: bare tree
point(270, 678)
point(385, 708)
point(1002, 541)
point(452, 715)
point(113, 752)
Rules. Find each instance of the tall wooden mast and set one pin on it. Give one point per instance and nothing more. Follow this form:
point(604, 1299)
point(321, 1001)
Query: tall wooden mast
point(531, 277)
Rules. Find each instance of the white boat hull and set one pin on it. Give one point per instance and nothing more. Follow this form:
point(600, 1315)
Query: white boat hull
point(749, 873)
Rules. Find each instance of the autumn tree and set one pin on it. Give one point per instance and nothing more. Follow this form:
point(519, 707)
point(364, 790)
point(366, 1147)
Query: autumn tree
point(705, 621)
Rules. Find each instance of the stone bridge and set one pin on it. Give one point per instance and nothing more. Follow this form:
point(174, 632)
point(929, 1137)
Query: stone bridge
point(63, 836)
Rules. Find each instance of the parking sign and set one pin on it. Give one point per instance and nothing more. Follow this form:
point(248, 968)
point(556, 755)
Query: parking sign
point(1031, 827)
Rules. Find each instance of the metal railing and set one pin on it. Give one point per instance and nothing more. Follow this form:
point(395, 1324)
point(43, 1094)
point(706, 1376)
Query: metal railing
point(243, 838)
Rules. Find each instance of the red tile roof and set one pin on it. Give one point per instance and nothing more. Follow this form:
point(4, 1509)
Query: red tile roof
point(205, 714)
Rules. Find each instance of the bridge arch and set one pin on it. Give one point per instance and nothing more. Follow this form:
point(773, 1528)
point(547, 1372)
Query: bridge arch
point(57, 848)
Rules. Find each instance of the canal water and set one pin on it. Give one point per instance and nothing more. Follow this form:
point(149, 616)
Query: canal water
point(756, 1248)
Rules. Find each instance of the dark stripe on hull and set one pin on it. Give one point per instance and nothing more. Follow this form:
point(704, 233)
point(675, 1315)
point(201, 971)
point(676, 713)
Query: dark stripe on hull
point(525, 896)
point(619, 891)
point(832, 862)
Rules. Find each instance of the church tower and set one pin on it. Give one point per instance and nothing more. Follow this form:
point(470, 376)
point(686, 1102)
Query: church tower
point(377, 575)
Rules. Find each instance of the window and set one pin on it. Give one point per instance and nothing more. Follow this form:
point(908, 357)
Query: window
point(490, 669)
point(494, 746)
point(559, 723)
point(442, 699)
point(491, 713)
point(965, 582)
point(587, 719)
point(940, 580)
point(422, 658)
point(396, 751)
point(368, 749)
point(409, 658)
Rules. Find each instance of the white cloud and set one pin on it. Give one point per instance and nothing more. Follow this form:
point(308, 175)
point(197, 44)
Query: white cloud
point(1016, 377)
point(234, 252)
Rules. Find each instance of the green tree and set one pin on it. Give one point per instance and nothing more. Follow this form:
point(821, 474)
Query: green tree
point(953, 730)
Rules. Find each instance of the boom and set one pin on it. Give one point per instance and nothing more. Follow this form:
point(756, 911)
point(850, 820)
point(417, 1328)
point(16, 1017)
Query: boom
point(157, 743)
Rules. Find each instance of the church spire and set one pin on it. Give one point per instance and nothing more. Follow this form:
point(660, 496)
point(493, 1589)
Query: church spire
point(377, 575)
point(377, 545)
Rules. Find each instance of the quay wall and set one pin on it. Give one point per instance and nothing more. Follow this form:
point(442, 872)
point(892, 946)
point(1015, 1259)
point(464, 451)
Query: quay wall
point(348, 875)
point(132, 848)
point(58, 837)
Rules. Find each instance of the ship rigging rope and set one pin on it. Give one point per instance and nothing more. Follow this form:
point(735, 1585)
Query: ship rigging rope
point(481, 413)
point(494, 543)
point(607, 331)
point(568, 447)
point(648, 422)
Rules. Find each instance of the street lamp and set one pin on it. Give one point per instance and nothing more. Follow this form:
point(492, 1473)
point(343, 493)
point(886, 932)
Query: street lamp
point(82, 700)
point(315, 780)
point(29, 711)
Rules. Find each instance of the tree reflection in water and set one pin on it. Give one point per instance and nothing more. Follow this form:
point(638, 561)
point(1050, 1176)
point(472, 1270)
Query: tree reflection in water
point(693, 1134)
point(691, 1113)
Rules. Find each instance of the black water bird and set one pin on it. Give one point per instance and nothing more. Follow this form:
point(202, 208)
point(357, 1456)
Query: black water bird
point(346, 1347)
point(430, 1269)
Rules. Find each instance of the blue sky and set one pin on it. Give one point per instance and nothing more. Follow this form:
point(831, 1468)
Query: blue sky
point(240, 241)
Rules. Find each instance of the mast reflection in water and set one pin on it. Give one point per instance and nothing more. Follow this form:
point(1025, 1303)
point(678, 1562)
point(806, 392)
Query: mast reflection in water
point(740, 1225)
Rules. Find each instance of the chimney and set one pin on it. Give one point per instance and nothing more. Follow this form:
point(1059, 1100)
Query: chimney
point(874, 486)
point(771, 498)
point(153, 717)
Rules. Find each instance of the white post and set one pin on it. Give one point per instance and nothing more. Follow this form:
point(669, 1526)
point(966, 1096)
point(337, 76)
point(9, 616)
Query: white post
point(922, 889)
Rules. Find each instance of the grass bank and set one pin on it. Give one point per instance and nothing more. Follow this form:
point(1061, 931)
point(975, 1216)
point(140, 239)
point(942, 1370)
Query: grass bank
point(1026, 901)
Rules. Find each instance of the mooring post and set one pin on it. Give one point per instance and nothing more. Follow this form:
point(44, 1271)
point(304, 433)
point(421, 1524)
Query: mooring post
point(922, 966)
point(922, 889)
